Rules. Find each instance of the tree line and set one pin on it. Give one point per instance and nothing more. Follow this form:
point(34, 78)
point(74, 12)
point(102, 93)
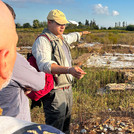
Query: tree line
point(88, 25)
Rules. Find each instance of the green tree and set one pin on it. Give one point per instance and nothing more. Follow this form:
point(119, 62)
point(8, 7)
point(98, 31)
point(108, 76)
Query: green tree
point(26, 25)
point(130, 28)
point(79, 23)
point(87, 23)
point(18, 25)
point(103, 28)
point(109, 28)
point(93, 25)
point(36, 23)
point(71, 26)
point(43, 24)
point(80, 26)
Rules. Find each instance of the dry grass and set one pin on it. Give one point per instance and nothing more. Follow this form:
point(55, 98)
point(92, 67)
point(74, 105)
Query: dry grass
point(87, 104)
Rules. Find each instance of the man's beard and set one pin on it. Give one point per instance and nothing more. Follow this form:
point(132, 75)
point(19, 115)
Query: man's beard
point(6, 82)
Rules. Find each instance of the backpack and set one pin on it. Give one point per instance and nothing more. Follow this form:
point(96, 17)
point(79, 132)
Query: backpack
point(49, 79)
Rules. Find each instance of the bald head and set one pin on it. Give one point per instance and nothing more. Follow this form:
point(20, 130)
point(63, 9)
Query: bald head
point(8, 41)
point(7, 25)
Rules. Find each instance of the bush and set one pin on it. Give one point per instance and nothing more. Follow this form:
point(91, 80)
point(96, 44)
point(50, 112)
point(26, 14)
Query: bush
point(130, 28)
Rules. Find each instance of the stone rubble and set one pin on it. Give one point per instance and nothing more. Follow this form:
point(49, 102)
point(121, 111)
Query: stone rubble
point(111, 125)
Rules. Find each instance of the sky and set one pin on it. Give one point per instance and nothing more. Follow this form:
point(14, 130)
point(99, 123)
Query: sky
point(104, 12)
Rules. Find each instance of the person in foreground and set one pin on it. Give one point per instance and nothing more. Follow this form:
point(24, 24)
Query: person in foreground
point(13, 100)
point(8, 41)
point(10, 125)
point(52, 53)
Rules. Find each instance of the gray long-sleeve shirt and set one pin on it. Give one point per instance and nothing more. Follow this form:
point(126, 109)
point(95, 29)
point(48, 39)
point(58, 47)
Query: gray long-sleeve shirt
point(13, 101)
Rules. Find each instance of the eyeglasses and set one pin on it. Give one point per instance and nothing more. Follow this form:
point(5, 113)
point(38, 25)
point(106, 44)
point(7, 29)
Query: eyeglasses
point(58, 23)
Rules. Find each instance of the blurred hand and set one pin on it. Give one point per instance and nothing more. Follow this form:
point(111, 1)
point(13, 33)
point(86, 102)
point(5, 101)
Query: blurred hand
point(77, 72)
point(85, 32)
point(27, 90)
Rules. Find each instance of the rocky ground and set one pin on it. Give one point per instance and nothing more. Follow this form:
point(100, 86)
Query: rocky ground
point(112, 122)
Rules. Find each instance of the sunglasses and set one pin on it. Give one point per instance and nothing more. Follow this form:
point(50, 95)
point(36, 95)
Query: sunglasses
point(57, 23)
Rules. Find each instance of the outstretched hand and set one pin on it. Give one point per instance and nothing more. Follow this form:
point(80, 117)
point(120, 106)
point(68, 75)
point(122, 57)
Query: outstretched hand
point(77, 72)
point(84, 33)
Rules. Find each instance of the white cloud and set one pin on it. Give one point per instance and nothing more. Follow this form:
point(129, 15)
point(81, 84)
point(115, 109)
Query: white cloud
point(99, 9)
point(104, 10)
point(115, 13)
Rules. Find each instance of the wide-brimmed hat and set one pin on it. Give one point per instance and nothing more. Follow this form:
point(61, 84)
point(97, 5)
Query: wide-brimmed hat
point(57, 16)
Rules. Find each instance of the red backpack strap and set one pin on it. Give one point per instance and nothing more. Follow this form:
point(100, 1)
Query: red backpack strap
point(44, 36)
point(49, 41)
point(30, 54)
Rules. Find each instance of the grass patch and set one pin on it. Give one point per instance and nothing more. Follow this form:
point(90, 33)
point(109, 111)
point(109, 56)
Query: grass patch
point(86, 102)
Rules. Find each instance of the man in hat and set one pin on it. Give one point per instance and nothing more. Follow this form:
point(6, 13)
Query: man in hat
point(52, 53)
